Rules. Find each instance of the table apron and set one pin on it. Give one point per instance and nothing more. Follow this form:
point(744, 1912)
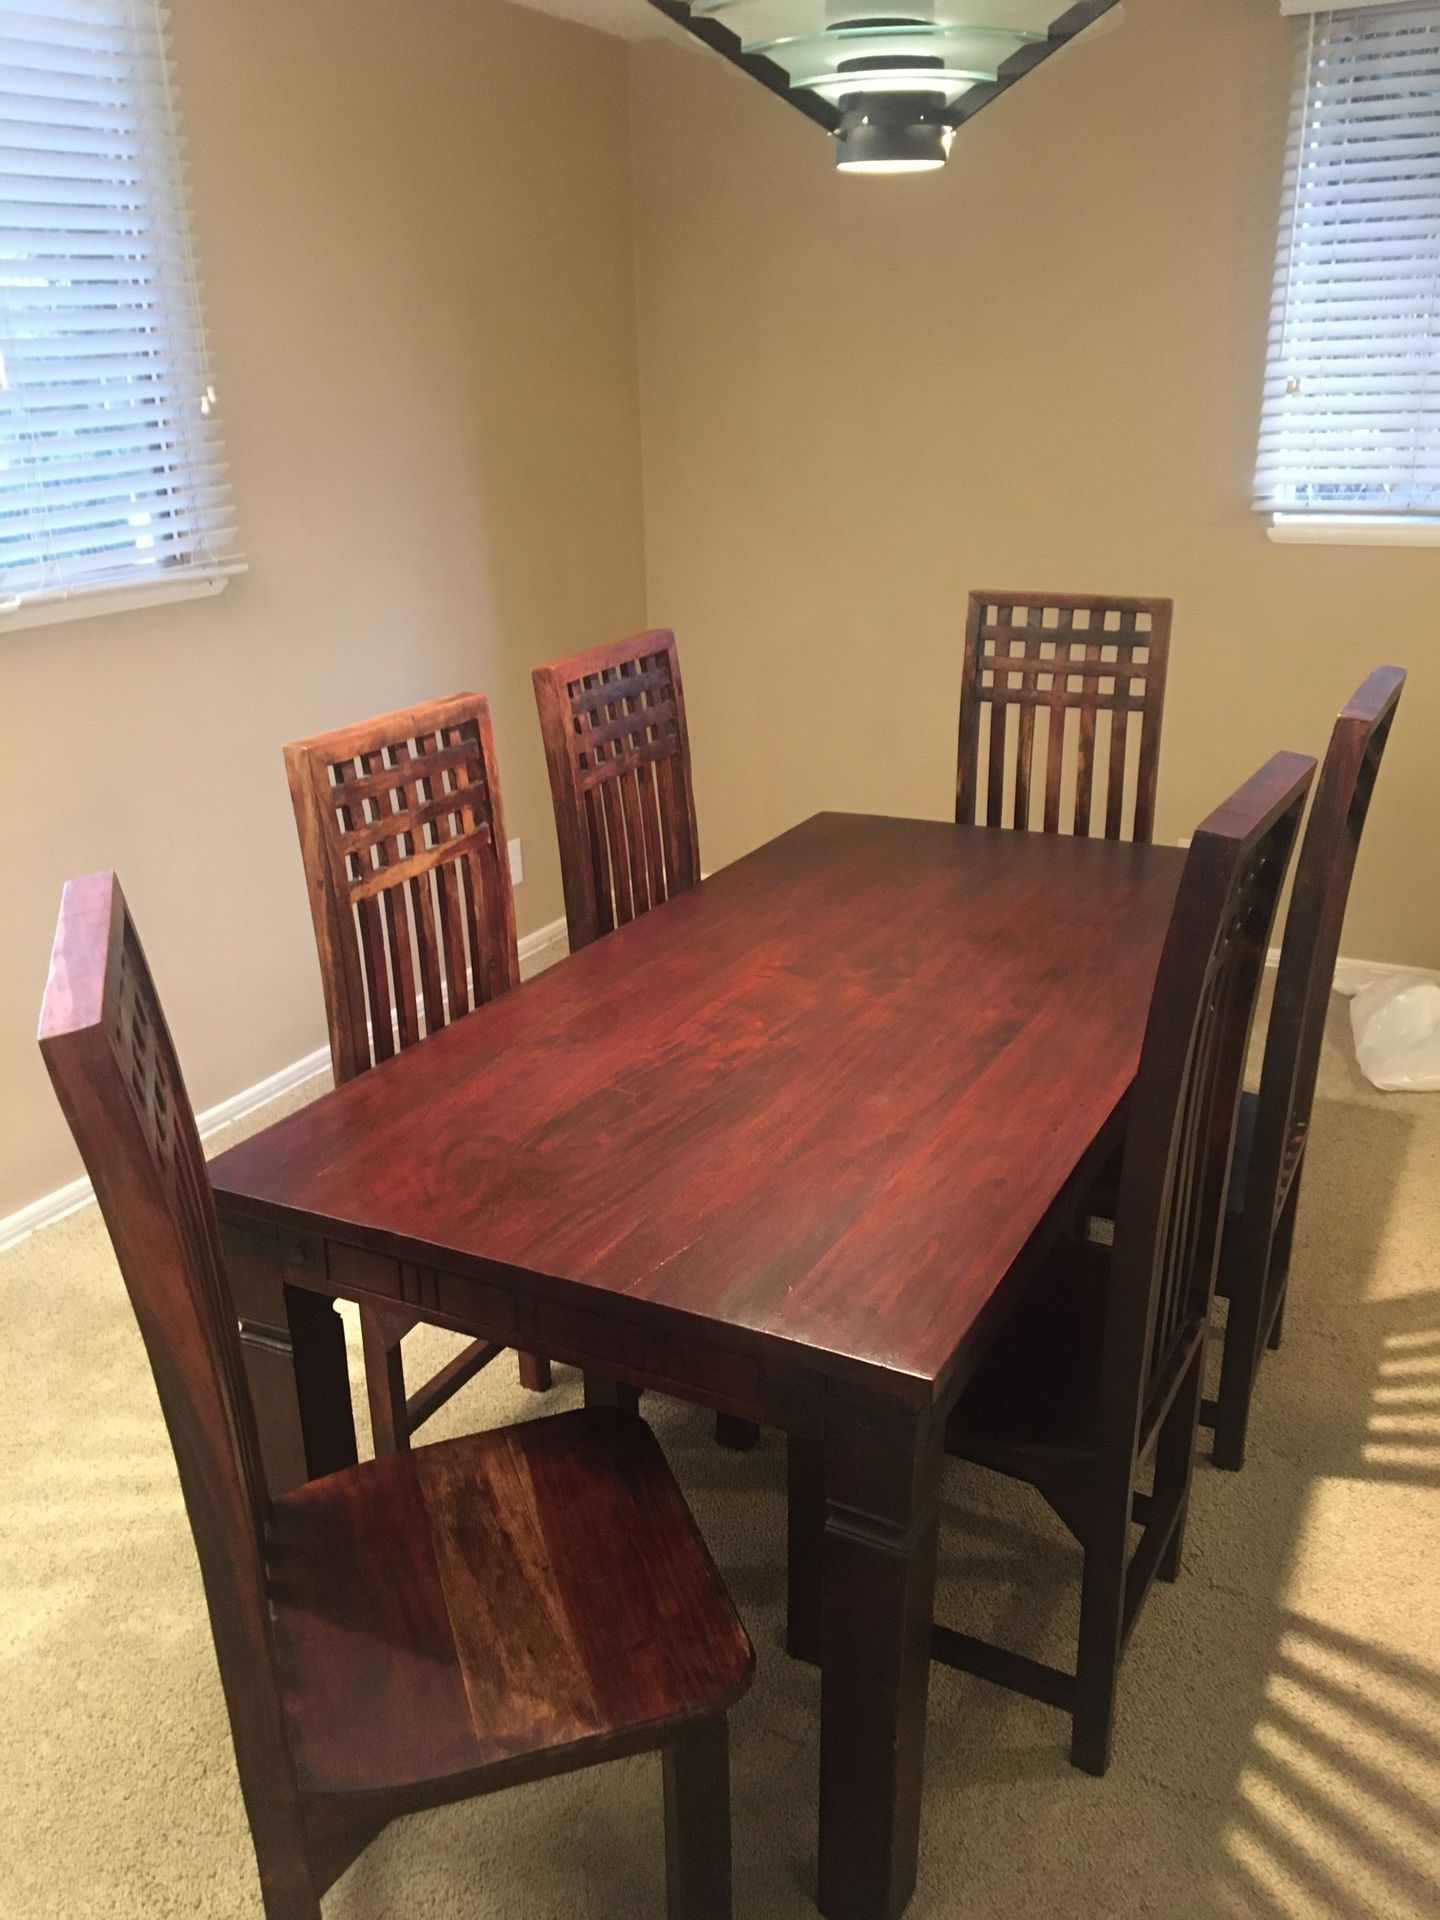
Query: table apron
point(688, 1367)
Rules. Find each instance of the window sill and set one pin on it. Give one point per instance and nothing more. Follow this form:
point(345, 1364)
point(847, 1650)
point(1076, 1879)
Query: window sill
point(44, 610)
point(1335, 530)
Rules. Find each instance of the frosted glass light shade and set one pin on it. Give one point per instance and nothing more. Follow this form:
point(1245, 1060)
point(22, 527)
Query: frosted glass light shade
point(932, 63)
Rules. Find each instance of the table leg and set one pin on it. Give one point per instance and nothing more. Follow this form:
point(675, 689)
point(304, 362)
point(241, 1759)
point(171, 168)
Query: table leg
point(293, 1344)
point(882, 1475)
point(600, 1392)
point(740, 1436)
point(805, 1496)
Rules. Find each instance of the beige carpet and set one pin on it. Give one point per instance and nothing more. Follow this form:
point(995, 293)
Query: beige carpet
point(1279, 1738)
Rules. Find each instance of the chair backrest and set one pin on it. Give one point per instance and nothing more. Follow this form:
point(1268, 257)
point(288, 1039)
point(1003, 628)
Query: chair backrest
point(402, 832)
point(1312, 931)
point(1041, 669)
point(113, 1066)
point(1180, 1132)
point(613, 720)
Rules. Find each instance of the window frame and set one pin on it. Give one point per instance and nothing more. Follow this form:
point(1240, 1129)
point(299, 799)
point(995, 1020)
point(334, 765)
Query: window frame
point(1318, 525)
point(155, 172)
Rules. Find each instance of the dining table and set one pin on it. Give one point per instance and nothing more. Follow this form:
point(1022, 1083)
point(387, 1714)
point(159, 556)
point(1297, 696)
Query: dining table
point(787, 1146)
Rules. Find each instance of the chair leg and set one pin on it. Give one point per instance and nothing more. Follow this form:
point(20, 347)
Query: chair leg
point(740, 1436)
point(1244, 1339)
point(288, 1890)
point(1232, 1422)
point(1280, 1260)
point(291, 1906)
point(535, 1372)
point(384, 1382)
point(1257, 1314)
point(1102, 1618)
point(697, 1823)
point(1175, 1464)
point(1277, 1325)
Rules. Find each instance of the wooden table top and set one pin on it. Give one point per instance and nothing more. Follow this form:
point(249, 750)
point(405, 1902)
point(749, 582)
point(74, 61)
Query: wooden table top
point(824, 1099)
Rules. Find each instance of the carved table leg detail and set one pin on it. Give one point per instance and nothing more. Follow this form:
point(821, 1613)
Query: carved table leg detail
point(294, 1347)
point(881, 1527)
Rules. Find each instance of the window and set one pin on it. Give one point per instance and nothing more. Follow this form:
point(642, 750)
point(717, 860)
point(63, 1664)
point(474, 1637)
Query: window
point(1351, 422)
point(112, 478)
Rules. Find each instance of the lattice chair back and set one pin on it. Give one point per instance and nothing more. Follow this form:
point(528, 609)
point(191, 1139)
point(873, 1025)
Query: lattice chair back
point(1060, 713)
point(114, 1069)
point(402, 832)
point(613, 721)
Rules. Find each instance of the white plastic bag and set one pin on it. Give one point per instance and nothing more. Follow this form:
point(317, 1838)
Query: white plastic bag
point(1396, 1024)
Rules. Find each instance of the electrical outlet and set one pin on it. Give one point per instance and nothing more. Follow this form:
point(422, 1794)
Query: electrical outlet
point(517, 863)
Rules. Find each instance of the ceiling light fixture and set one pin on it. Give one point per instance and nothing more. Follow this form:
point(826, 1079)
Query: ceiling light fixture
point(893, 81)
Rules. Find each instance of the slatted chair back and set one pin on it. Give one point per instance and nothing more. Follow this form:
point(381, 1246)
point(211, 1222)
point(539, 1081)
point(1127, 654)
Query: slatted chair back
point(1180, 1133)
point(1266, 1183)
point(402, 833)
point(1060, 713)
point(613, 721)
point(1311, 941)
point(113, 1066)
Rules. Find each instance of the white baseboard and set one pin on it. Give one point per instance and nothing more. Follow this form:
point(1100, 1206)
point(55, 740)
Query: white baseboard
point(1352, 975)
point(43, 1212)
point(543, 948)
point(69, 1199)
point(538, 950)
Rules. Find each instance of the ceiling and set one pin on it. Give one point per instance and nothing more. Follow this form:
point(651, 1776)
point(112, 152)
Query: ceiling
point(631, 19)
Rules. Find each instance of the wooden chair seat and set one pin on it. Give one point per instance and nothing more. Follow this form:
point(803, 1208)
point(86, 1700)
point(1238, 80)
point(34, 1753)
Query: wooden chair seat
point(423, 1627)
point(1036, 1394)
point(436, 1618)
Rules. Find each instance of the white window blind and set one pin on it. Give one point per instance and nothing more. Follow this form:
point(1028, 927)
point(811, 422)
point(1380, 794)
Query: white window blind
point(1351, 421)
point(112, 472)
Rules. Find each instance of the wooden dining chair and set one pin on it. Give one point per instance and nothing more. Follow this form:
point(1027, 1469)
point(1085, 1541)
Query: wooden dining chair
point(1069, 670)
point(402, 835)
point(1093, 1386)
point(1275, 1122)
point(618, 750)
point(613, 723)
point(416, 1630)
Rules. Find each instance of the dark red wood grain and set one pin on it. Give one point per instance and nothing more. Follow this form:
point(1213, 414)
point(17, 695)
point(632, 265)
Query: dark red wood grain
point(1092, 1392)
point(1056, 665)
point(823, 1100)
point(618, 749)
point(774, 1147)
point(497, 1650)
point(408, 1632)
point(402, 837)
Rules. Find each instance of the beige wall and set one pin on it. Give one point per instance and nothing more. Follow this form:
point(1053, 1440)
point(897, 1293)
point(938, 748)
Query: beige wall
point(859, 398)
point(1041, 367)
point(417, 260)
